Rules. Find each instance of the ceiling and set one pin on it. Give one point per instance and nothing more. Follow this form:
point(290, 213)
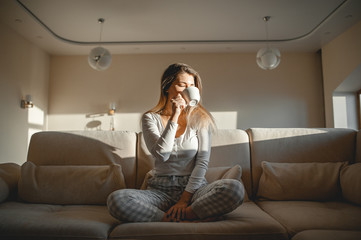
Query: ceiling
point(68, 27)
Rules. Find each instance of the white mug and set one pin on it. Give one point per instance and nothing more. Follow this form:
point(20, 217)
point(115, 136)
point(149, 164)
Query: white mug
point(191, 95)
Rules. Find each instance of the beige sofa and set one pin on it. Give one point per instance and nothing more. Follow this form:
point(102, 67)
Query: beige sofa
point(301, 184)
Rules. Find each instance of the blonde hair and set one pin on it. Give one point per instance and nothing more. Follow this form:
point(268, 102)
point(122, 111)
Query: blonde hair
point(198, 117)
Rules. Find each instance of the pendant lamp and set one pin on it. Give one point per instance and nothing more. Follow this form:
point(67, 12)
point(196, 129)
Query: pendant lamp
point(100, 58)
point(268, 58)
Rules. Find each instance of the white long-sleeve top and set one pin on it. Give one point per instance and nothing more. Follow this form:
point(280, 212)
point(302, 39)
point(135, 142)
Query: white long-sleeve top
point(186, 155)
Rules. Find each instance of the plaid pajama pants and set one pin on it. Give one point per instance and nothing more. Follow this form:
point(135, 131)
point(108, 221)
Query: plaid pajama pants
point(214, 199)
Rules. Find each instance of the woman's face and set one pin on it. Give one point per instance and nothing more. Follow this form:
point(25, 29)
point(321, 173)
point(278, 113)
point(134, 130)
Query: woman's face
point(183, 81)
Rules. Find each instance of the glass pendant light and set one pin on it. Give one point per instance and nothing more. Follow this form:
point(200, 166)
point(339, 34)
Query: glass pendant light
point(100, 58)
point(268, 58)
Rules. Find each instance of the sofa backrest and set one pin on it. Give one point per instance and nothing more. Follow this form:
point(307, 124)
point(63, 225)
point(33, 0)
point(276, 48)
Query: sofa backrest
point(229, 147)
point(86, 148)
point(299, 145)
point(145, 161)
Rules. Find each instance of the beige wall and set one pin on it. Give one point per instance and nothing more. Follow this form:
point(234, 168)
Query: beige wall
point(24, 69)
point(339, 59)
point(236, 90)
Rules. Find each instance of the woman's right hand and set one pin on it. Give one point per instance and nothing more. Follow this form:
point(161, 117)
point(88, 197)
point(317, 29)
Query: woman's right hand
point(178, 104)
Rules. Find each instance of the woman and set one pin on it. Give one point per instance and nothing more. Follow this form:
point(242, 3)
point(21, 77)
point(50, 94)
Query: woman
point(179, 138)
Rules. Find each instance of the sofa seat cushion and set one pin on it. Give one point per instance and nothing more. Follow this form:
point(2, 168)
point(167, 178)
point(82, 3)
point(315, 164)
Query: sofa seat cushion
point(328, 234)
point(245, 222)
point(41, 221)
point(298, 216)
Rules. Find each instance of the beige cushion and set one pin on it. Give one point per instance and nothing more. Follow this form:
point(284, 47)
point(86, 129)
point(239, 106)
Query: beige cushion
point(145, 161)
point(86, 148)
point(300, 181)
point(328, 234)
point(216, 173)
point(247, 221)
point(148, 175)
point(69, 184)
point(351, 183)
point(4, 190)
point(235, 172)
point(9, 176)
point(231, 147)
point(297, 216)
point(48, 221)
point(299, 145)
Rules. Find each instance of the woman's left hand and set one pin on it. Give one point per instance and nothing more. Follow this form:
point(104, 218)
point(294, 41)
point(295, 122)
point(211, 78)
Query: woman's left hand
point(177, 211)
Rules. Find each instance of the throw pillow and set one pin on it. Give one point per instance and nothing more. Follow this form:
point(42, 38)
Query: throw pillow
point(4, 190)
point(69, 184)
point(234, 172)
point(9, 177)
point(149, 174)
point(216, 173)
point(300, 181)
point(351, 183)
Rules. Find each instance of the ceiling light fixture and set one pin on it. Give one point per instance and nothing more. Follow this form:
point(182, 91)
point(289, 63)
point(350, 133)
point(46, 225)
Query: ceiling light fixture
point(268, 58)
point(100, 58)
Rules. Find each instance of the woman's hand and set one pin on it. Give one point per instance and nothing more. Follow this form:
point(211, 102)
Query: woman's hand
point(178, 104)
point(178, 211)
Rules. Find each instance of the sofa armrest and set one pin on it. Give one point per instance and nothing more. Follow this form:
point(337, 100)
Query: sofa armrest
point(9, 177)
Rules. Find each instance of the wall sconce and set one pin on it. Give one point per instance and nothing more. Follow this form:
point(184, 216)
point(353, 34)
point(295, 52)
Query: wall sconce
point(27, 102)
point(111, 113)
point(111, 109)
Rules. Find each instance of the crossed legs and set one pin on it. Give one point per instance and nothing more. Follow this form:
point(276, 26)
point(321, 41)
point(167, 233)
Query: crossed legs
point(212, 200)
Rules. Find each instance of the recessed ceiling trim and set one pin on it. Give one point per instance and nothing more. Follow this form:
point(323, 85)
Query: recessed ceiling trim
point(177, 41)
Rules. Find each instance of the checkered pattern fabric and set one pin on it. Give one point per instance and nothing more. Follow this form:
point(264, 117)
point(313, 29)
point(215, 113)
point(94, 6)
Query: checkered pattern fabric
point(218, 198)
point(215, 199)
